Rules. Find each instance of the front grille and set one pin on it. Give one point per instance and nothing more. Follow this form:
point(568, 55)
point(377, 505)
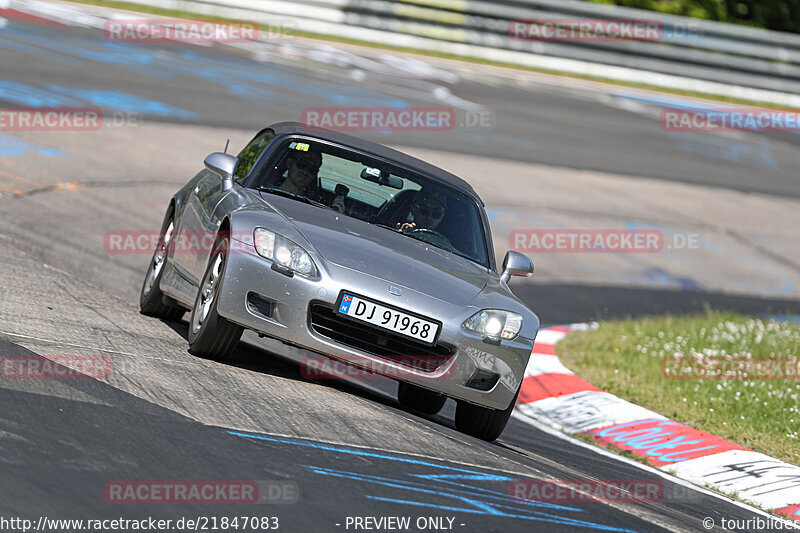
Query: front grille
point(366, 338)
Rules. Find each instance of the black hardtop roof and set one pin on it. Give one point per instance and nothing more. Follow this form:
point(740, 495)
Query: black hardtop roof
point(377, 150)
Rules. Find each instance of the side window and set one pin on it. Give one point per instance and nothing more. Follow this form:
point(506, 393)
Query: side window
point(248, 157)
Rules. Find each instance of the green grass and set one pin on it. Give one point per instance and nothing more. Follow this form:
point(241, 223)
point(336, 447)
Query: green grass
point(118, 4)
point(624, 358)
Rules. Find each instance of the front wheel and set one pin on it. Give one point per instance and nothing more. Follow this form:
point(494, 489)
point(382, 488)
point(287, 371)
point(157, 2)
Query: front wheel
point(152, 301)
point(482, 422)
point(210, 335)
point(419, 399)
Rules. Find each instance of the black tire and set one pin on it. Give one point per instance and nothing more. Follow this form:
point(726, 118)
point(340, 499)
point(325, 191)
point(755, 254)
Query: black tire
point(482, 422)
point(153, 302)
point(419, 399)
point(210, 335)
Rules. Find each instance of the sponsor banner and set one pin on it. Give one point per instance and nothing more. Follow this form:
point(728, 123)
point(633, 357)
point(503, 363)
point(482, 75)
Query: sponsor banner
point(570, 491)
point(585, 411)
point(759, 478)
point(731, 368)
point(535, 388)
point(661, 441)
point(55, 367)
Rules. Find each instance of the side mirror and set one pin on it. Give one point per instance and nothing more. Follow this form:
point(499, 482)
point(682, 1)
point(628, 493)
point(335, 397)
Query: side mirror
point(222, 165)
point(516, 264)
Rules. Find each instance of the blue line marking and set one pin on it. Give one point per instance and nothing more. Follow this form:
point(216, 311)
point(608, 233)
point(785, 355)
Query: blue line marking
point(544, 518)
point(666, 101)
point(131, 57)
point(57, 96)
point(471, 499)
point(27, 95)
point(38, 52)
point(11, 146)
point(364, 453)
point(126, 102)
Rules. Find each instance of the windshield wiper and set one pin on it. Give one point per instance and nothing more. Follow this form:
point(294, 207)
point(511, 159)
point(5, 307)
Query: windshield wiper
point(293, 196)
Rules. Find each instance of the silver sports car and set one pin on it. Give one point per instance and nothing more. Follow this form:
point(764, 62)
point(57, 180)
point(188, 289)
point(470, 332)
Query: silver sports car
point(353, 251)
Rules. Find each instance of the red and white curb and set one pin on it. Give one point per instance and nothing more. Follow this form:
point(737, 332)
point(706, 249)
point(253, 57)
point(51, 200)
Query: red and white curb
point(554, 395)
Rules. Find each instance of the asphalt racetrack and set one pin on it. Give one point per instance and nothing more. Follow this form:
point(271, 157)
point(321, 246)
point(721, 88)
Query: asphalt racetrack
point(555, 153)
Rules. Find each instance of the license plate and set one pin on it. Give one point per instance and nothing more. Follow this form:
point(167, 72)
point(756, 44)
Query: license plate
point(388, 318)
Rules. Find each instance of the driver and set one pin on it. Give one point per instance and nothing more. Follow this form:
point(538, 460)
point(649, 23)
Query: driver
point(427, 211)
point(301, 177)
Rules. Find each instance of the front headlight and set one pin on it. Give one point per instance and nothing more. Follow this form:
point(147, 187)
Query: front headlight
point(283, 252)
point(494, 324)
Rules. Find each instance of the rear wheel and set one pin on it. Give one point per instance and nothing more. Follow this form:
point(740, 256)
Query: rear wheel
point(419, 399)
point(211, 335)
point(152, 301)
point(482, 422)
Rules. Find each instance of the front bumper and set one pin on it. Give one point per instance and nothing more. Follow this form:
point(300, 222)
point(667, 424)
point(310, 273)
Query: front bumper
point(271, 303)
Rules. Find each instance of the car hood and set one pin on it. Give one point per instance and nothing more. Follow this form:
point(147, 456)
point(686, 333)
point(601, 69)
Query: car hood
point(382, 253)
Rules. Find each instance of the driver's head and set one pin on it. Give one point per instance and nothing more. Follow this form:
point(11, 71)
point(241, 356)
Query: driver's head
point(303, 168)
point(428, 208)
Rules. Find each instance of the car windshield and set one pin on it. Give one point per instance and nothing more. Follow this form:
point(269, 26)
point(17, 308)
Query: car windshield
point(377, 193)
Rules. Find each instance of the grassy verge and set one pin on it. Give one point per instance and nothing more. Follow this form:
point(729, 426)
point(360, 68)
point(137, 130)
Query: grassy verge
point(118, 4)
point(625, 358)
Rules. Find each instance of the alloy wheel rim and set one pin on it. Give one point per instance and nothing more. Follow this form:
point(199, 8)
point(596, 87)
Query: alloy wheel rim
point(157, 263)
point(207, 293)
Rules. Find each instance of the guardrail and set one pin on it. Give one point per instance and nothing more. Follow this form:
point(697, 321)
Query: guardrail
point(689, 47)
point(721, 54)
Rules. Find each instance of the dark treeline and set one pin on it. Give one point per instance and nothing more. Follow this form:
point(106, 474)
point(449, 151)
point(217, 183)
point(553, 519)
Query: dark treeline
point(779, 15)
